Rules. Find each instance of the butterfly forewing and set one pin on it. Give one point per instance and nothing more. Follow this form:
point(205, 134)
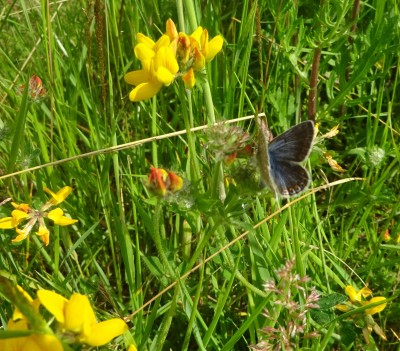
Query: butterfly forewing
point(294, 145)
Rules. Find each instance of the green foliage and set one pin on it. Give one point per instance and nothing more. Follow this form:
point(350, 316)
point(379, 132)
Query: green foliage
point(188, 269)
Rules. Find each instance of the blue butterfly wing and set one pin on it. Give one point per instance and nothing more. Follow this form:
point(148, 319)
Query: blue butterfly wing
point(285, 152)
point(289, 178)
point(294, 145)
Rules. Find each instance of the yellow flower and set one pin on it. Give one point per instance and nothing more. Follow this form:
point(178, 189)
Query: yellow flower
point(156, 181)
point(24, 212)
point(174, 54)
point(159, 181)
point(42, 341)
point(32, 342)
point(76, 315)
point(208, 48)
point(159, 67)
point(357, 299)
point(195, 50)
point(357, 296)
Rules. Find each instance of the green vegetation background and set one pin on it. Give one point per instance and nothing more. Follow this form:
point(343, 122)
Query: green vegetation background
point(81, 51)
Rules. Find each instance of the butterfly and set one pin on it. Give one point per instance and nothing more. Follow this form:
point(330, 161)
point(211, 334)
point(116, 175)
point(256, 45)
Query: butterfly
point(279, 158)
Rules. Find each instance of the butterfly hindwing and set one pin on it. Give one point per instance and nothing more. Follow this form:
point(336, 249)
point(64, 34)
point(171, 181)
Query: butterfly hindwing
point(289, 178)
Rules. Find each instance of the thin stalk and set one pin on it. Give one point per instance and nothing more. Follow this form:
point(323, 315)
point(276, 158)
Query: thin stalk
point(313, 95)
point(154, 131)
point(187, 112)
point(158, 241)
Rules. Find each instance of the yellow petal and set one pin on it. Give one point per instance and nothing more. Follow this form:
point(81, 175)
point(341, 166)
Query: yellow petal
point(166, 58)
point(143, 39)
point(22, 235)
point(78, 313)
point(29, 344)
point(35, 303)
point(171, 29)
point(333, 132)
point(375, 309)
point(163, 42)
point(189, 79)
point(137, 77)
point(352, 293)
point(165, 76)
point(57, 217)
point(343, 308)
point(44, 235)
point(175, 182)
point(197, 34)
point(7, 223)
point(54, 303)
point(199, 60)
point(214, 47)
point(45, 342)
point(172, 63)
point(22, 207)
point(204, 41)
point(143, 52)
point(18, 216)
point(365, 292)
point(104, 332)
point(145, 91)
point(60, 196)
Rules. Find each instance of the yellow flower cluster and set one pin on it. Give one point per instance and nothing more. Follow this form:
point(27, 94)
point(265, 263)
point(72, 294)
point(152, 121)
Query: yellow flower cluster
point(357, 298)
point(173, 54)
point(23, 212)
point(160, 182)
point(76, 319)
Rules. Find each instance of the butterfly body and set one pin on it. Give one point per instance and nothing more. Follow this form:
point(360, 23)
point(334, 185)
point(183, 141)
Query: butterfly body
point(279, 159)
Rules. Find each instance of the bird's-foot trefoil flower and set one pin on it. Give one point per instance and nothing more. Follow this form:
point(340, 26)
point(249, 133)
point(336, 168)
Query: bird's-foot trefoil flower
point(76, 317)
point(32, 342)
point(36, 89)
point(192, 51)
point(24, 213)
point(34, 333)
point(159, 67)
point(160, 182)
point(357, 298)
point(174, 54)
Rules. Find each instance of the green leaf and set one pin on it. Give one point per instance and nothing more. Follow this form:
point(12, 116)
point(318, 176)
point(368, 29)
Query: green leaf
point(331, 300)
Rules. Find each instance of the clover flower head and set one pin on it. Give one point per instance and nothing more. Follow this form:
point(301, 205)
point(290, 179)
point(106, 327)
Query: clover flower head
point(229, 142)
